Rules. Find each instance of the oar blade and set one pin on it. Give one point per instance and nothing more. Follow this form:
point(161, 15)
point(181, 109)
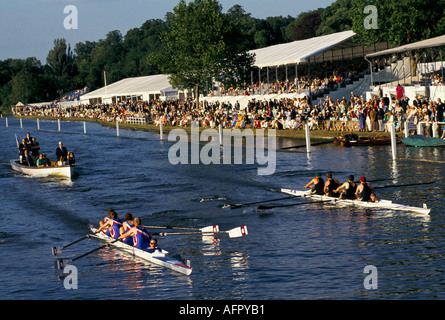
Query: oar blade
point(238, 232)
point(56, 251)
point(59, 264)
point(210, 229)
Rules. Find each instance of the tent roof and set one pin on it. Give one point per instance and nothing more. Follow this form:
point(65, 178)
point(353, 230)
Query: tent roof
point(428, 43)
point(132, 86)
point(299, 51)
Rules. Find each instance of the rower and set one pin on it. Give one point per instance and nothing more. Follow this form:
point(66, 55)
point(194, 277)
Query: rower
point(141, 238)
point(347, 189)
point(365, 192)
point(318, 184)
point(111, 223)
point(126, 226)
point(330, 186)
point(154, 246)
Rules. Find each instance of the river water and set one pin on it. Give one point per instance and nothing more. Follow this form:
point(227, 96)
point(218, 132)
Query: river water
point(312, 251)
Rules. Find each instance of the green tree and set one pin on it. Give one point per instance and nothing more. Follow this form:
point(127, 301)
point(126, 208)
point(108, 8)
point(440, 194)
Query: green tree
point(201, 43)
point(60, 61)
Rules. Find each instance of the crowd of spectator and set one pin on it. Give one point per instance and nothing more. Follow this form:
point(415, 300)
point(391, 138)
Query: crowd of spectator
point(351, 113)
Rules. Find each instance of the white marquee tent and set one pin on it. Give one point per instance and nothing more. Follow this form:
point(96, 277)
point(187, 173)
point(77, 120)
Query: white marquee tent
point(143, 88)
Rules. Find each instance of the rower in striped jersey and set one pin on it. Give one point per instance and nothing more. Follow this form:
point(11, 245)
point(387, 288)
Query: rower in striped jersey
point(141, 237)
point(111, 225)
point(126, 226)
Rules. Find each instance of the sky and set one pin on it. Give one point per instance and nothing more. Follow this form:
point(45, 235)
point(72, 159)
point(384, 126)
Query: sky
point(29, 27)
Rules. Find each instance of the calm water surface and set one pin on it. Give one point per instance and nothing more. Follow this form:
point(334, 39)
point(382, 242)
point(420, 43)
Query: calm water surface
point(313, 251)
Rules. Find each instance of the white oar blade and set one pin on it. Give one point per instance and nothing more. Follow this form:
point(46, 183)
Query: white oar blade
point(238, 232)
point(209, 229)
point(56, 251)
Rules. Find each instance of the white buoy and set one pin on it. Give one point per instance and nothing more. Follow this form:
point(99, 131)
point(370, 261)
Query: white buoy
point(38, 124)
point(6, 122)
point(85, 127)
point(393, 142)
point(21, 123)
point(308, 139)
point(58, 124)
point(117, 128)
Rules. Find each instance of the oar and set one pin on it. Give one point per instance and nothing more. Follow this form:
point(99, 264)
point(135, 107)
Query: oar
point(291, 204)
point(234, 206)
point(312, 144)
point(61, 264)
point(404, 185)
point(233, 233)
point(56, 250)
point(214, 228)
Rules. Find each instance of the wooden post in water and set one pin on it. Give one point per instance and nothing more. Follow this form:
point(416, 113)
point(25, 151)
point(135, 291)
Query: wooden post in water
point(161, 129)
point(308, 139)
point(117, 128)
point(435, 129)
point(393, 142)
point(220, 135)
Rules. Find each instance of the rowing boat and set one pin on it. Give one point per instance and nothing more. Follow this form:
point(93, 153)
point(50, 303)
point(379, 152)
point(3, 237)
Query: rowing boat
point(67, 171)
point(379, 204)
point(158, 257)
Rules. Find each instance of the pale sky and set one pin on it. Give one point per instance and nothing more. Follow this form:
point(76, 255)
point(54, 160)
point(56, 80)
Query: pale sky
point(29, 27)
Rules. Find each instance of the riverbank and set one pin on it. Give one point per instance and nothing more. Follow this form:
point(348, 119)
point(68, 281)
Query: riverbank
point(286, 133)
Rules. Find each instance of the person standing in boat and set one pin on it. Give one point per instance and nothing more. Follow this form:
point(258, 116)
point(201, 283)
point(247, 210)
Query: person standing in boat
point(22, 147)
point(141, 237)
point(61, 152)
point(112, 224)
point(27, 159)
point(34, 148)
point(347, 189)
point(365, 192)
point(126, 226)
point(316, 185)
point(330, 186)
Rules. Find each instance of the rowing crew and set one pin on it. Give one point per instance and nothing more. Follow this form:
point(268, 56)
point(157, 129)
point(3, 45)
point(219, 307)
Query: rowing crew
point(131, 231)
point(348, 190)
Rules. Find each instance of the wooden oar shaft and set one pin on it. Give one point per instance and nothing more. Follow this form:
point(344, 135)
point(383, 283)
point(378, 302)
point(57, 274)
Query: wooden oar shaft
point(169, 227)
point(291, 204)
point(83, 238)
point(303, 145)
point(94, 250)
point(405, 185)
point(232, 206)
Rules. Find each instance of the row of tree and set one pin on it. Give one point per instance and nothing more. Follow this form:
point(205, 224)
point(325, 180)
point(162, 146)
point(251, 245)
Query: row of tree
point(200, 34)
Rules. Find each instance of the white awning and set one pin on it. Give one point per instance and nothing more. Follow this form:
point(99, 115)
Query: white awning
point(428, 43)
point(298, 51)
point(155, 84)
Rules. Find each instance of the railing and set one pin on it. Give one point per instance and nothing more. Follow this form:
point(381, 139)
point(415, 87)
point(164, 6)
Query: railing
point(136, 120)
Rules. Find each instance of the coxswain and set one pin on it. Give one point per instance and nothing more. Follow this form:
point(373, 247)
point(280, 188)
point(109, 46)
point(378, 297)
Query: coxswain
point(111, 225)
point(141, 237)
point(126, 226)
point(330, 186)
point(318, 184)
point(347, 189)
point(365, 192)
point(154, 246)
